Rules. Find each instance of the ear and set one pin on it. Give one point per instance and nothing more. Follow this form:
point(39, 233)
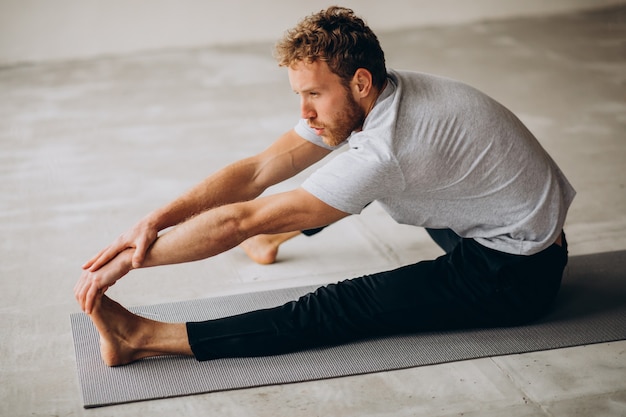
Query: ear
point(362, 82)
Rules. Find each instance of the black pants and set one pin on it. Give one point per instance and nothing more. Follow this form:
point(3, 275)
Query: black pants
point(469, 286)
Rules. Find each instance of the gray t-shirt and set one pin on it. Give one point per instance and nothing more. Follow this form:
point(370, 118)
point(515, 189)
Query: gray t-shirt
point(437, 153)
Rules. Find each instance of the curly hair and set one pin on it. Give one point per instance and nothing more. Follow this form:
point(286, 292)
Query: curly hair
point(339, 38)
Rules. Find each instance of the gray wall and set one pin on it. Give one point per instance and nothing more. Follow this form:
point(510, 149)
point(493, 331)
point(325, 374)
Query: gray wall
point(39, 30)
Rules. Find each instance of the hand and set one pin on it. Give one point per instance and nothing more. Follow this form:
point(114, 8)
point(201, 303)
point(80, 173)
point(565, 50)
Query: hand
point(140, 237)
point(93, 284)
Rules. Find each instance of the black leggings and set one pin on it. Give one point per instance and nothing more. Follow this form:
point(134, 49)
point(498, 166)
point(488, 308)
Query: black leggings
point(469, 286)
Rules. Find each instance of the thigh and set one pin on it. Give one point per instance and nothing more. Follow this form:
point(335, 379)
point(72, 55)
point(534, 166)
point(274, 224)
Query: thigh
point(429, 295)
point(471, 286)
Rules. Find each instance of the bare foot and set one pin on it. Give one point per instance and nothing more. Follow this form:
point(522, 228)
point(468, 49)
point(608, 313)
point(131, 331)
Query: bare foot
point(126, 337)
point(263, 249)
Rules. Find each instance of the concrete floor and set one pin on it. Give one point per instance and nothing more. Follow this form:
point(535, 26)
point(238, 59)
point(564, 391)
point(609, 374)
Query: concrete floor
point(86, 148)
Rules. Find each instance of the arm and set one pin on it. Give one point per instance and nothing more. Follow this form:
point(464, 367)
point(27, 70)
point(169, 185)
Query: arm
point(241, 181)
point(213, 232)
point(223, 228)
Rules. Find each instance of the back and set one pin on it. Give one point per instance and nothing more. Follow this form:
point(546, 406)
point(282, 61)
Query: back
point(438, 153)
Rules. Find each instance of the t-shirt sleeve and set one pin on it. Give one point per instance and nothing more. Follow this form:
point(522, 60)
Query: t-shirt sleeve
point(354, 179)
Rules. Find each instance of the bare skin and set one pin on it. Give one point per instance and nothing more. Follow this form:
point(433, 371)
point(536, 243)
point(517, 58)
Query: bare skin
point(263, 249)
point(126, 337)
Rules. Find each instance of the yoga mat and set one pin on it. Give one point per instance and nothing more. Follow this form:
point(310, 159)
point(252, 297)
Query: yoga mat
point(591, 308)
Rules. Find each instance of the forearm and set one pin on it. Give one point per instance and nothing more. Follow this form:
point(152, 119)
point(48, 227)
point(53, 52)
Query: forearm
point(218, 230)
point(241, 181)
point(231, 184)
point(202, 236)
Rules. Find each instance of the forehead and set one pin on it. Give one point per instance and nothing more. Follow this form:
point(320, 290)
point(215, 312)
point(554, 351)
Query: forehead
point(306, 76)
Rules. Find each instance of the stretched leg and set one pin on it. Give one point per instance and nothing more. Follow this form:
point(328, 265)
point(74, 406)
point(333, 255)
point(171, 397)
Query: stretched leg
point(407, 299)
point(126, 337)
point(470, 287)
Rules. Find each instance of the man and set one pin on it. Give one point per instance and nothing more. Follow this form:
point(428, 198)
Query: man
point(433, 152)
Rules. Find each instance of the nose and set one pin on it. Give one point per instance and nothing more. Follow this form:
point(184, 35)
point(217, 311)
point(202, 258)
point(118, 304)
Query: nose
point(306, 109)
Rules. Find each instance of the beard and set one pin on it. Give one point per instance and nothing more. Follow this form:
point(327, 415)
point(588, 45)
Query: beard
point(349, 119)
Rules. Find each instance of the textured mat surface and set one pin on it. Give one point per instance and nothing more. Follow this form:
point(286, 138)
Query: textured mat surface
point(591, 308)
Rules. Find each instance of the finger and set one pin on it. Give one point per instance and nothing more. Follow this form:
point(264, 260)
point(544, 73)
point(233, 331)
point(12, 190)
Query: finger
point(86, 282)
point(106, 255)
point(90, 262)
point(139, 255)
point(82, 295)
point(79, 295)
point(90, 296)
point(78, 288)
point(93, 296)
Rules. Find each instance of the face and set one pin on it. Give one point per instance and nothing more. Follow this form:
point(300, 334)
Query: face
point(328, 106)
